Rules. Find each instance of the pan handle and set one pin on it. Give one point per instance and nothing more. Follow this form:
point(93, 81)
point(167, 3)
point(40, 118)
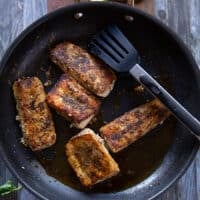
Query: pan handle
point(187, 119)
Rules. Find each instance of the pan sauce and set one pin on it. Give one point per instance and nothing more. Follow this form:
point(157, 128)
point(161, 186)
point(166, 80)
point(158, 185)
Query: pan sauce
point(136, 162)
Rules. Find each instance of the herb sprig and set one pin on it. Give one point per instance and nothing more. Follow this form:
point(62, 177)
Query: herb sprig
point(8, 187)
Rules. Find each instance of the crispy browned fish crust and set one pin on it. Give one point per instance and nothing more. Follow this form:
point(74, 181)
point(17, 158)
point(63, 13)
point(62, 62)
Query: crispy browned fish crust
point(89, 158)
point(134, 124)
point(34, 114)
point(92, 73)
point(73, 101)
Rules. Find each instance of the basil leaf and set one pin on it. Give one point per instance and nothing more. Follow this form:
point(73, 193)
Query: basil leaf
point(8, 187)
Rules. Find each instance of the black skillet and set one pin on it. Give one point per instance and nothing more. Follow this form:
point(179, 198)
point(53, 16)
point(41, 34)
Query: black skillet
point(149, 166)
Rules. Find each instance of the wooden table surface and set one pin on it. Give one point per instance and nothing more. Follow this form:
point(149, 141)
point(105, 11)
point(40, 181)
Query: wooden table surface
point(183, 16)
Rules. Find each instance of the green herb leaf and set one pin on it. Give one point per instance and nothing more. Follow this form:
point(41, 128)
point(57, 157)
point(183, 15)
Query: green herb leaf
point(8, 187)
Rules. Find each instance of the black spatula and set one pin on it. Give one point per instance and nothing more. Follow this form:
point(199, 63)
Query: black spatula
point(113, 48)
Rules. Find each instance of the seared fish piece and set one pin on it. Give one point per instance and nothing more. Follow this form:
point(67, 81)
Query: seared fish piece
point(134, 124)
point(73, 102)
point(89, 158)
point(34, 114)
point(90, 72)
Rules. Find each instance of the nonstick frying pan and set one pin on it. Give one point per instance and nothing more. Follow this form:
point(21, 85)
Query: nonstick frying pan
point(150, 165)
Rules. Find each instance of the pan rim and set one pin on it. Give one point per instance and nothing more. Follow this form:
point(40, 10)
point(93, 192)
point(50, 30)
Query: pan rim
point(51, 15)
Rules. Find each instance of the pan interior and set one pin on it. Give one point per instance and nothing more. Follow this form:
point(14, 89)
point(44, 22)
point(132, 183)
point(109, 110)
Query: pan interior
point(167, 147)
point(136, 162)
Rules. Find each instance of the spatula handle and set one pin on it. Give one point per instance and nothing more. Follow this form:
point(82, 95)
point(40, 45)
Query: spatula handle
point(174, 106)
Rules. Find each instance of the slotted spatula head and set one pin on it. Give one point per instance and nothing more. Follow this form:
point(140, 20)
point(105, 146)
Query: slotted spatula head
point(114, 49)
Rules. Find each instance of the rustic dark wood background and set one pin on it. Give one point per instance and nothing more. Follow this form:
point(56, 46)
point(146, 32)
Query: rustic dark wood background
point(183, 16)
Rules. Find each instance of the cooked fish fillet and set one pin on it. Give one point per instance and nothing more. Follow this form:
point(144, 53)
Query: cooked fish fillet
point(34, 114)
point(89, 158)
point(134, 124)
point(92, 73)
point(73, 102)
